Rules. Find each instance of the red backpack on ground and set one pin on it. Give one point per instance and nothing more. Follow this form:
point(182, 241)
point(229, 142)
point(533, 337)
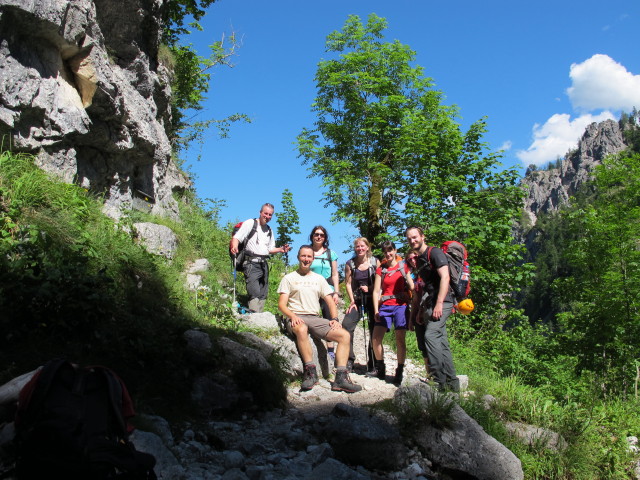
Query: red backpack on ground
point(72, 423)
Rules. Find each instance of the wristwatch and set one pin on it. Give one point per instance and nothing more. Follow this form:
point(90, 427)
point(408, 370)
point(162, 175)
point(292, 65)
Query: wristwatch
point(335, 318)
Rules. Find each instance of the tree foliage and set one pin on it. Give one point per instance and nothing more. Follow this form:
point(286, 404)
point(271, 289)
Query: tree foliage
point(191, 72)
point(390, 154)
point(602, 321)
point(174, 13)
point(288, 222)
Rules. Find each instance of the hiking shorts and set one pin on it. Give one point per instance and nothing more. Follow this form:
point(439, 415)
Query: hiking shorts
point(318, 327)
point(395, 315)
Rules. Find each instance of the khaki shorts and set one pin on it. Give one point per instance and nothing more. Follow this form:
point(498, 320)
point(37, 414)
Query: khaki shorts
point(318, 327)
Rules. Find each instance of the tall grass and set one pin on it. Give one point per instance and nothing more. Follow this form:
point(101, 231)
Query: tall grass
point(546, 392)
point(75, 284)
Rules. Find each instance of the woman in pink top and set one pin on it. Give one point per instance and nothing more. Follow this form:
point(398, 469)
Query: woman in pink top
point(391, 294)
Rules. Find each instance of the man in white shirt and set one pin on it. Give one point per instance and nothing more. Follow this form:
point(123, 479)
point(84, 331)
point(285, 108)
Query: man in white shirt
point(300, 292)
point(257, 250)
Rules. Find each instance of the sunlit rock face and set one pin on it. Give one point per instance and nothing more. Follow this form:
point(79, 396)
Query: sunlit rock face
point(81, 87)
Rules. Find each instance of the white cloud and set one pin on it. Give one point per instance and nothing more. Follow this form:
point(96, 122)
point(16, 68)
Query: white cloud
point(601, 83)
point(557, 136)
point(506, 145)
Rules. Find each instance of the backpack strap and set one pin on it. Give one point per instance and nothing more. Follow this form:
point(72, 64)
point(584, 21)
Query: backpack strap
point(401, 269)
point(253, 231)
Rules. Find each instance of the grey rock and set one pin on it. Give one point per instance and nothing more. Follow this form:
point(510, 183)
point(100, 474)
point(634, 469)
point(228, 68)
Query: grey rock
point(83, 90)
point(233, 459)
point(199, 346)
point(538, 436)
point(234, 474)
point(157, 239)
point(263, 346)
point(262, 320)
point(165, 460)
point(547, 190)
point(198, 266)
point(464, 448)
point(159, 426)
point(335, 470)
point(239, 357)
point(193, 282)
point(217, 393)
point(360, 438)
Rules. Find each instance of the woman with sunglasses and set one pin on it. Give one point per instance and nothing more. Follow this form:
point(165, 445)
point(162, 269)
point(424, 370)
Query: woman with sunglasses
point(325, 262)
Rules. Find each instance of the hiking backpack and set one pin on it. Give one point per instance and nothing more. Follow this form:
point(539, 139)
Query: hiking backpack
point(239, 258)
point(72, 423)
point(459, 272)
point(373, 264)
point(401, 269)
point(328, 255)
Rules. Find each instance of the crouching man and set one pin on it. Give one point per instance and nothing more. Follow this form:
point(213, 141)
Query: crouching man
point(300, 293)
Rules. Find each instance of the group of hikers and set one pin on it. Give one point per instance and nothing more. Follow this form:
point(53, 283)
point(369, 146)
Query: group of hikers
point(406, 294)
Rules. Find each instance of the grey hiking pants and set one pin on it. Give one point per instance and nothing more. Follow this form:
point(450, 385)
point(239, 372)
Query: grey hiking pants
point(256, 276)
point(438, 351)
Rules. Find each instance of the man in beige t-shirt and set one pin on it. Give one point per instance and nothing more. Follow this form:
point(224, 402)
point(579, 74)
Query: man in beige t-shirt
point(300, 292)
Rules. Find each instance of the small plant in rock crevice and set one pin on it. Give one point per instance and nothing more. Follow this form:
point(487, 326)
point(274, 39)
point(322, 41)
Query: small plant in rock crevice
point(428, 407)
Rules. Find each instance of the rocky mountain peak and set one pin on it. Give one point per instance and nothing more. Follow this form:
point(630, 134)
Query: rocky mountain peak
point(547, 190)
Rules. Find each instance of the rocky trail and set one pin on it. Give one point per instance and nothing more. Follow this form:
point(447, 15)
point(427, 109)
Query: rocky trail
point(323, 399)
point(320, 433)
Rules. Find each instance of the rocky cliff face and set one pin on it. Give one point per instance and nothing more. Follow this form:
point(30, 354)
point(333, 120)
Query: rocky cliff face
point(81, 87)
point(547, 190)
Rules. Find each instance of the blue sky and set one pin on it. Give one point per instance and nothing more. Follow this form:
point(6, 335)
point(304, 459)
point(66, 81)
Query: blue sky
point(539, 71)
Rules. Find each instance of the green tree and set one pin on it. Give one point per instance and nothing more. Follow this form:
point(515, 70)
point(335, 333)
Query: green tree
point(191, 72)
point(390, 154)
point(602, 324)
point(288, 222)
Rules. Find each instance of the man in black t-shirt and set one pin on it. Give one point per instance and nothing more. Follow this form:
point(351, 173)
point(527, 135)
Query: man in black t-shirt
point(433, 268)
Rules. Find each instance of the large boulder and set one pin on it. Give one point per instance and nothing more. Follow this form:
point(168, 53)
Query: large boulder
point(83, 90)
point(361, 438)
point(462, 449)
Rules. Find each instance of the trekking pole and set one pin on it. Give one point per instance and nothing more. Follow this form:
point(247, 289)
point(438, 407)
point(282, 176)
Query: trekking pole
point(235, 260)
point(364, 327)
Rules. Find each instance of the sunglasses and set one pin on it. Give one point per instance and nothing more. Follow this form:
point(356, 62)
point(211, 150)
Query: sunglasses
point(318, 234)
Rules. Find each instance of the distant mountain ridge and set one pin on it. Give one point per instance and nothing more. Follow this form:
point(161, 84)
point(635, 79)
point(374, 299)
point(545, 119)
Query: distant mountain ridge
point(548, 190)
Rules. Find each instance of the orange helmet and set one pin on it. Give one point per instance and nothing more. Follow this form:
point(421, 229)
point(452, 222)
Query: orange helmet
point(465, 306)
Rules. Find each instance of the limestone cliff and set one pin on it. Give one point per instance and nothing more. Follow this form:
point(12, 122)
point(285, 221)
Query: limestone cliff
point(547, 190)
point(81, 87)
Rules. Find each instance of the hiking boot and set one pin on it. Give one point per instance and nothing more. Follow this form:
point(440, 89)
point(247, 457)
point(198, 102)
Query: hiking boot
point(397, 380)
point(379, 370)
point(309, 378)
point(343, 383)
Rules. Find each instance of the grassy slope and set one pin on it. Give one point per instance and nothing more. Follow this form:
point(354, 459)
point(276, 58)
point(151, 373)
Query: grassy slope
point(74, 284)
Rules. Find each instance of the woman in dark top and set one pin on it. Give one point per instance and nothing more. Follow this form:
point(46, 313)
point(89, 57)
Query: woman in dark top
point(359, 273)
